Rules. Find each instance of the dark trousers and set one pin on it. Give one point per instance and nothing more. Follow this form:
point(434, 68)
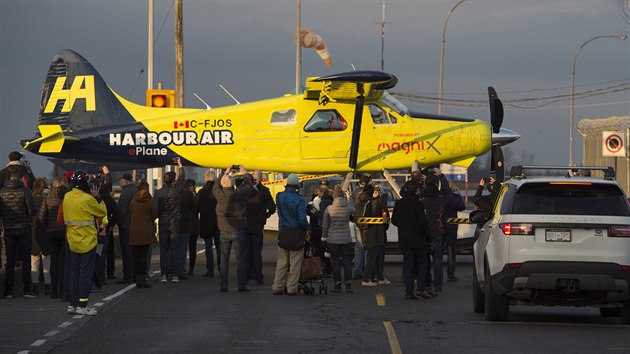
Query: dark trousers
point(57, 260)
point(450, 238)
point(125, 251)
point(101, 260)
point(111, 255)
point(66, 272)
point(255, 255)
point(372, 264)
point(81, 270)
point(341, 254)
point(169, 237)
point(209, 240)
point(18, 243)
point(239, 240)
point(414, 262)
point(192, 252)
point(139, 255)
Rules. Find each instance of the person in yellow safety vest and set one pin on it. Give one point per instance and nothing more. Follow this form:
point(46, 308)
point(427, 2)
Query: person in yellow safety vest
point(80, 210)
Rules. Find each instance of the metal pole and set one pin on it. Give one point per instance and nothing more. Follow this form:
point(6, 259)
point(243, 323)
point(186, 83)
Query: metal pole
point(442, 55)
point(179, 54)
point(383, 39)
point(298, 51)
point(619, 37)
point(150, 77)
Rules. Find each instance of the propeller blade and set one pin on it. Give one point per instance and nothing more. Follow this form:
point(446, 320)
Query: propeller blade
point(496, 110)
point(497, 164)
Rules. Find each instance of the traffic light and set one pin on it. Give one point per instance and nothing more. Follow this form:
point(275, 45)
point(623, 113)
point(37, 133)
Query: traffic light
point(161, 98)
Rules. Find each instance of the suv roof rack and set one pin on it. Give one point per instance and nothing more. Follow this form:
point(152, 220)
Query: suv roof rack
point(517, 171)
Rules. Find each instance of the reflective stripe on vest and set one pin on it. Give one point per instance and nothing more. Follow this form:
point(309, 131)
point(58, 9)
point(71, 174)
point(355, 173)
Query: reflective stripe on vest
point(79, 223)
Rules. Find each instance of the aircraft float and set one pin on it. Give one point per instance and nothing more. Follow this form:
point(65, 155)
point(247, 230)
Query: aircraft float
point(346, 122)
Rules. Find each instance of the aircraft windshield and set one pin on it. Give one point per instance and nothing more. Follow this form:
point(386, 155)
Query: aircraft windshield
point(394, 104)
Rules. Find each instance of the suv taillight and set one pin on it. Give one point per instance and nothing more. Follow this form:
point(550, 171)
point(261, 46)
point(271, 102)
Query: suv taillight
point(510, 229)
point(619, 231)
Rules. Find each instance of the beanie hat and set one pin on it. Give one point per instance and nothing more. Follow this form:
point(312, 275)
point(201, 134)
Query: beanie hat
point(293, 180)
point(15, 156)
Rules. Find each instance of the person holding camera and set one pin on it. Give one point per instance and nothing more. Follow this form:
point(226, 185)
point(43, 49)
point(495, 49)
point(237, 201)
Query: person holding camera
point(17, 162)
point(232, 194)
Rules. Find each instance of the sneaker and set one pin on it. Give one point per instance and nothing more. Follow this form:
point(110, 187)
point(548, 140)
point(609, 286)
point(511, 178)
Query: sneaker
point(423, 294)
point(368, 283)
point(29, 295)
point(88, 311)
point(384, 282)
point(175, 279)
point(163, 279)
point(8, 295)
point(71, 310)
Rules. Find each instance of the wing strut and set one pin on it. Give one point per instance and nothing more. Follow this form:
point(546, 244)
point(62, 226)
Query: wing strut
point(356, 129)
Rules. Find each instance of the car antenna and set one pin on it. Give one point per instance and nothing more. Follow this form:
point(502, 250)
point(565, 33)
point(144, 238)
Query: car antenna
point(229, 94)
point(202, 101)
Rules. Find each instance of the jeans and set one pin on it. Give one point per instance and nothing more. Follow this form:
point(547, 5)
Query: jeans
point(57, 260)
point(66, 272)
point(208, 241)
point(18, 242)
point(372, 265)
point(239, 240)
point(414, 262)
point(81, 270)
point(341, 253)
point(182, 248)
point(255, 257)
point(168, 248)
point(125, 250)
point(437, 262)
point(359, 258)
point(100, 262)
point(450, 237)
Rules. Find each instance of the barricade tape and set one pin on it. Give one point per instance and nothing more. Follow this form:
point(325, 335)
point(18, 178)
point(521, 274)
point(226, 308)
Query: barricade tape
point(302, 178)
point(371, 221)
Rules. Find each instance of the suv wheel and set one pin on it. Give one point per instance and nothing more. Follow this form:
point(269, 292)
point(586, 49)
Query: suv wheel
point(609, 312)
point(624, 315)
point(497, 307)
point(479, 300)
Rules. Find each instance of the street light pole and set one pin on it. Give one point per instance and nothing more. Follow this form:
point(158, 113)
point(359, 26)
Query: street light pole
point(620, 37)
point(442, 56)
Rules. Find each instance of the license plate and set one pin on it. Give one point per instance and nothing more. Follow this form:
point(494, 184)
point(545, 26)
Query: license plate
point(558, 235)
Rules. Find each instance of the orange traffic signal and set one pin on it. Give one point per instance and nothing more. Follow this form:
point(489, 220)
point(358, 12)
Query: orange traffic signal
point(161, 98)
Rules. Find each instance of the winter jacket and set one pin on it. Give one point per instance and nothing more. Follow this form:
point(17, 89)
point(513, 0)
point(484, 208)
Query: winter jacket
point(17, 206)
point(207, 210)
point(40, 241)
point(260, 206)
point(409, 216)
point(168, 201)
point(47, 213)
point(453, 203)
point(335, 226)
point(374, 235)
point(188, 212)
point(232, 205)
point(143, 213)
point(79, 212)
point(5, 174)
point(126, 196)
point(291, 209)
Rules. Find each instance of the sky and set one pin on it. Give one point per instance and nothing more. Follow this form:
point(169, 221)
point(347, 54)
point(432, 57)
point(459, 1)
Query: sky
point(524, 49)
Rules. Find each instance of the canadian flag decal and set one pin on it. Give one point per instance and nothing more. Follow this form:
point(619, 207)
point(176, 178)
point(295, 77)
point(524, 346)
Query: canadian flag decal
point(184, 124)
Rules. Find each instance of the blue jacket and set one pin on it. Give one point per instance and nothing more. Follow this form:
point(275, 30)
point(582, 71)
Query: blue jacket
point(291, 209)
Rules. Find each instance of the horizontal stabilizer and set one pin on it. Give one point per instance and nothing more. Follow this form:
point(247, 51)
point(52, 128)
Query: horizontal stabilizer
point(51, 141)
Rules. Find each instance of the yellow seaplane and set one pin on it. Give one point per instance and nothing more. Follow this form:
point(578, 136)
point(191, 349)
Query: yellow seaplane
point(346, 122)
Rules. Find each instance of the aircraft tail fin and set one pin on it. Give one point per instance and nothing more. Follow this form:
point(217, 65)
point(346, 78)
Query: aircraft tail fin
point(75, 97)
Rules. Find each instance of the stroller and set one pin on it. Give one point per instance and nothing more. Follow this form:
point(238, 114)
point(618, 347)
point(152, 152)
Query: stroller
point(311, 272)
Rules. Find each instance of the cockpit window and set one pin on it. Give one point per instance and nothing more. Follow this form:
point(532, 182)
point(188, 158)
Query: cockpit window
point(326, 120)
point(394, 104)
point(380, 116)
point(284, 117)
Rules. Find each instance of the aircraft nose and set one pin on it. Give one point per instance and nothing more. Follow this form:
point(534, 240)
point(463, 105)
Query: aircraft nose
point(504, 137)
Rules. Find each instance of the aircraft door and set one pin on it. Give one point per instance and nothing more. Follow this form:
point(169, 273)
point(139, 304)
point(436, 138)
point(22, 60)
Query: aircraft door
point(325, 136)
point(384, 130)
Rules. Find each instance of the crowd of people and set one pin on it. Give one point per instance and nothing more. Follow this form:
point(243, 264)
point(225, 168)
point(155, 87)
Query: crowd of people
point(62, 232)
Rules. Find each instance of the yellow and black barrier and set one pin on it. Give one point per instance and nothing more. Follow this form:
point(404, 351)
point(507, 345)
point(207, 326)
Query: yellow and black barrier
point(458, 221)
point(302, 179)
point(370, 221)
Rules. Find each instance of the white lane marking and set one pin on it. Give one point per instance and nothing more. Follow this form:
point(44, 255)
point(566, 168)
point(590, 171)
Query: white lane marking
point(51, 333)
point(23, 352)
point(393, 340)
point(77, 316)
point(99, 304)
point(129, 287)
point(38, 342)
point(65, 324)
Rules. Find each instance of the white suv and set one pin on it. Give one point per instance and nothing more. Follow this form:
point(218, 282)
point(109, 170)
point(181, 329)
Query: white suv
point(554, 241)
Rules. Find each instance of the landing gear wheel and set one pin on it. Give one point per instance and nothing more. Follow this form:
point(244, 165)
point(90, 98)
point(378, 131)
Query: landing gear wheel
point(497, 307)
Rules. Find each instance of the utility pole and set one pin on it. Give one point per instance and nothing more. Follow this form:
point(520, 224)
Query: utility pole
point(179, 55)
point(298, 51)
